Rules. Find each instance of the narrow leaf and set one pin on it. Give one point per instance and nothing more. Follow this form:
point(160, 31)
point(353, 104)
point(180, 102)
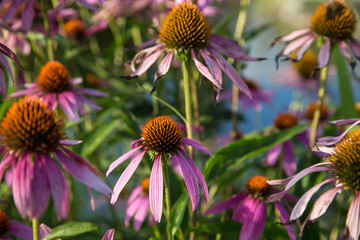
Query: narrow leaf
point(71, 229)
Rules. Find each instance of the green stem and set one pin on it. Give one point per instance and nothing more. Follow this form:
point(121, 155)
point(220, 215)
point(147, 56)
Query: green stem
point(320, 101)
point(49, 41)
point(187, 95)
point(35, 225)
point(167, 197)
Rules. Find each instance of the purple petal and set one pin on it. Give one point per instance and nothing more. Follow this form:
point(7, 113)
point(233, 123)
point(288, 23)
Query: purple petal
point(68, 108)
point(69, 142)
point(353, 218)
point(163, 68)
point(289, 160)
point(44, 230)
point(204, 70)
point(3, 87)
point(304, 200)
point(333, 140)
point(323, 202)
point(230, 203)
point(7, 66)
point(190, 180)
point(343, 122)
point(98, 27)
point(5, 163)
point(304, 48)
point(324, 54)
point(285, 218)
point(75, 81)
point(291, 36)
point(212, 65)
point(92, 92)
point(196, 144)
point(27, 15)
point(82, 173)
point(59, 187)
point(355, 47)
point(125, 176)
point(273, 155)
point(292, 46)
point(81, 160)
point(24, 92)
point(254, 227)
point(141, 213)
point(109, 235)
point(135, 193)
point(148, 61)
point(245, 210)
point(121, 159)
point(132, 207)
point(198, 174)
point(296, 178)
point(9, 53)
point(345, 50)
point(232, 74)
point(156, 189)
point(20, 230)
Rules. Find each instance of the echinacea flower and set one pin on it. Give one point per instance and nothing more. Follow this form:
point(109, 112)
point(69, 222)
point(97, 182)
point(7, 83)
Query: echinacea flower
point(186, 32)
point(343, 165)
point(13, 227)
point(33, 139)
point(55, 85)
point(161, 137)
point(249, 208)
point(76, 28)
point(284, 121)
point(335, 21)
point(138, 205)
point(259, 96)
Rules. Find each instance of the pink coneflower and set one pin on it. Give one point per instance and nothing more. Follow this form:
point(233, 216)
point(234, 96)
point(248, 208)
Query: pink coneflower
point(259, 96)
point(55, 85)
point(250, 208)
point(343, 165)
point(13, 227)
point(187, 34)
point(32, 137)
point(5, 51)
point(162, 137)
point(336, 22)
point(284, 121)
point(138, 205)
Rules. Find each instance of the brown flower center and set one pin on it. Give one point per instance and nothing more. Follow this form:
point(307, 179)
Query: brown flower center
point(162, 134)
point(145, 184)
point(346, 160)
point(74, 28)
point(185, 27)
point(258, 186)
point(312, 108)
point(334, 19)
point(54, 77)
point(285, 120)
point(30, 126)
point(4, 223)
point(307, 64)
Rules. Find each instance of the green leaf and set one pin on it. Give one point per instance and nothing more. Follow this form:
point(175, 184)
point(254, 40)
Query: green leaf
point(346, 89)
point(98, 136)
point(226, 227)
point(178, 210)
point(236, 152)
point(71, 229)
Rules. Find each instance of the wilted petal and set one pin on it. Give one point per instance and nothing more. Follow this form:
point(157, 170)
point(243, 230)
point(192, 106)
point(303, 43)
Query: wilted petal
point(230, 203)
point(353, 218)
point(163, 68)
point(291, 36)
point(7, 66)
point(146, 64)
point(289, 160)
point(285, 218)
point(304, 200)
point(273, 155)
point(304, 48)
point(109, 235)
point(212, 65)
point(323, 202)
point(333, 140)
point(196, 144)
point(121, 159)
point(9, 53)
point(156, 189)
point(3, 87)
point(44, 230)
point(125, 176)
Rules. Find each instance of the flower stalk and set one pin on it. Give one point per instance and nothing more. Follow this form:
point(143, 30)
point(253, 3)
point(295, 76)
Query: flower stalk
point(35, 226)
point(167, 197)
point(187, 95)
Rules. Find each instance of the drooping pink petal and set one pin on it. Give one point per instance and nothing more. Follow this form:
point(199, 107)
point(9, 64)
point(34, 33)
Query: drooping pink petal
point(9, 53)
point(24, 92)
point(304, 200)
point(141, 213)
point(197, 172)
point(82, 173)
point(304, 48)
point(7, 66)
point(163, 68)
point(132, 207)
point(212, 65)
point(81, 160)
point(289, 160)
point(353, 218)
point(20, 230)
point(3, 87)
point(230, 203)
point(109, 235)
point(156, 189)
point(92, 92)
point(196, 144)
point(51, 99)
point(76, 101)
point(58, 186)
point(121, 159)
point(291, 36)
point(296, 178)
point(323, 202)
point(205, 71)
point(190, 180)
point(324, 54)
point(125, 176)
point(344, 50)
point(273, 155)
point(245, 210)
point(285, 218)
point(292, 46)
point(135, 193)
point(254, 227)
point(98, 27)
point(232, 73)
point(83, 100)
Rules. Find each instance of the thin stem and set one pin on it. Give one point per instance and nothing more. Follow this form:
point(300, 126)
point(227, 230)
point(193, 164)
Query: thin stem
point(187, 94)
point(35, 225)
point(320, 101)
point(167, 198)
point(49, 41)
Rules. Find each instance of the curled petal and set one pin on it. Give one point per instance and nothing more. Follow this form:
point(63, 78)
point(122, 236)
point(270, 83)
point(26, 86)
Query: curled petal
point(291, 36)
point(196, 144)
point(163, 68)
point(323, 202)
